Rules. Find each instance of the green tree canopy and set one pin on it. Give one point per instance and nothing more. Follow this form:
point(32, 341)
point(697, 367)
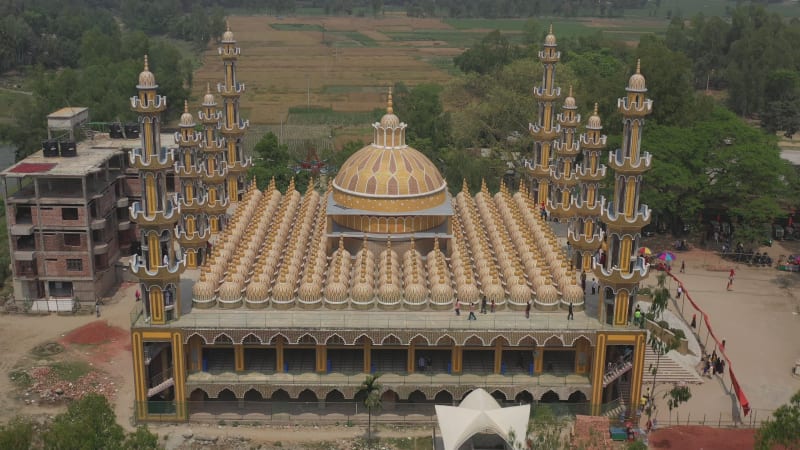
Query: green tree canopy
point(783, 429)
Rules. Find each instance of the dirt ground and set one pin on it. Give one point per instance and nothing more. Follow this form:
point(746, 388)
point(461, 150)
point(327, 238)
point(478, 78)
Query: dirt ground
point(702, 438)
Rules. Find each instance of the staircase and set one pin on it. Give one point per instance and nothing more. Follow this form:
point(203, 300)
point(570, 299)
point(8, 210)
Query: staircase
point(669, 370)
point(161, 387)
point(616, 372)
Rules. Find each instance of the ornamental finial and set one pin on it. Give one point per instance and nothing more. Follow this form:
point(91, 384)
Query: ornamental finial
point(186, 106)
point(208, 88)
point(146, 64)
point(389, 109)
point(570, 90)
point(551, 28)
point(595, 108)
point(639, 66)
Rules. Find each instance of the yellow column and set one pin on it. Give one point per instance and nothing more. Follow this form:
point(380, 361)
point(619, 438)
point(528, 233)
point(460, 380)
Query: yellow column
point(156, 298)
point(179, 374)
point(637, 371)
point(621, 308)
point(279, 357)
point(367, 356)
point(196, 355)
point(238, 357)
point(581, 357)
point(322, 365)
point(139, 381)
point(458, 354)
point(191, 258)
point(598, 365)
point(538, 360)
point(498, 356)
point(412, 350)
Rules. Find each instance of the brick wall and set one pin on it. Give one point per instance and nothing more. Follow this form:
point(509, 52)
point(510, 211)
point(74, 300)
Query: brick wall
point(54, 242)
point(57, 266)
point(52, 216)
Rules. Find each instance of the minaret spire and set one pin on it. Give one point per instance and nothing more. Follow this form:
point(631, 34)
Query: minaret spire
point(161, 262)
point(545, 131)
point(562, 173)
point(389, 109)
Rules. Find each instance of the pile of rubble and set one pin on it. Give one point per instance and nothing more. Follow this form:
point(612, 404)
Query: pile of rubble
point(48, 387)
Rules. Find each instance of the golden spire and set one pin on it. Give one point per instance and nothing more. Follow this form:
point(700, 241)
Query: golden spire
point(464, 187)
point(595, 108)
point(570, 90)
point(228, 25)
point(389, 109)
point(551, 28)
point(208, 84)
point(639, 66)
point(185, 105)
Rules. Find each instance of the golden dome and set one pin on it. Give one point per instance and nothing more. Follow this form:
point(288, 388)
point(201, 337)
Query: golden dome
point(227, 36)
point(387, 177)
point(594, 122)
point(550, 39)
point(146, 78)
point(186, 118)
point(636, 83)
point(208, 99)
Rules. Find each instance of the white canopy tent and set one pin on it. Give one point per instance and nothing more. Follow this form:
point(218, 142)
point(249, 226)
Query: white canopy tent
point(479, 412)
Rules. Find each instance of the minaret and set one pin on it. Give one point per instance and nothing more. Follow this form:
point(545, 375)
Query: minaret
point(192, 229)
point(584, 233)
point(233, 127)
point(215, 171)
point(621, 271)
point(160, 264)
point(545, 130)
point(562, 174)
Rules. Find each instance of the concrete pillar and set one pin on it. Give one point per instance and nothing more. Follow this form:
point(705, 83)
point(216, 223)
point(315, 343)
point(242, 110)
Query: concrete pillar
point(279, 362)
point(238, 357)
point(498, 356)
point(367, 356)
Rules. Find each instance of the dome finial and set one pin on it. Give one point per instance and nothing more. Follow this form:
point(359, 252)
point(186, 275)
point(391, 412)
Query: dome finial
point(551, 28)
point(186, 106)
point(639, 66)
point(227, 25)
point(208, 87)
point(570, 90)
point(146, 64)
point(595, 108)
point(389, 109)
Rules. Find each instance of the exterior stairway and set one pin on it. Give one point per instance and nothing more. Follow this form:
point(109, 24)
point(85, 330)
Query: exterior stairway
point(616, 372)
point(669, 370)
point(161, 387)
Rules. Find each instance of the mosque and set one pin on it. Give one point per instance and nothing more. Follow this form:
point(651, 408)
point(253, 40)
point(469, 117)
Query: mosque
point(300, 295)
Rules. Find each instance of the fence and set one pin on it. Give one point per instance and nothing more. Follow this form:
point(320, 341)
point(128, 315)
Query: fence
point(245, 411)
point(720, 420)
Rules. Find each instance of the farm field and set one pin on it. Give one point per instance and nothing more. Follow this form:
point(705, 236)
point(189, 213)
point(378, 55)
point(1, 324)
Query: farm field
point(308, 70)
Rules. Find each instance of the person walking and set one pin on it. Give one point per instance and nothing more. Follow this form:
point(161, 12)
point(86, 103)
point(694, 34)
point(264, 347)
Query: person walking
point(483, 305)
point(680, 291)
point(138, 295)
point(637, 316)
point(492, 310)
point(583, 281)
point(528, 310)
point(570, 315)
point(472, 312)
point(458, 307)
point(683, 266)
point(97, 308)
point(594, 286)
point(694, 321)
point(730, 284)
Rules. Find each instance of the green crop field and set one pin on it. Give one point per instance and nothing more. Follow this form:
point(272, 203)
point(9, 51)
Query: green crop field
point(296, 27)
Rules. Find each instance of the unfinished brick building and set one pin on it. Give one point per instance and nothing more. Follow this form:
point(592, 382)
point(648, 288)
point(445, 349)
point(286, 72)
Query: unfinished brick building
point(67, 211)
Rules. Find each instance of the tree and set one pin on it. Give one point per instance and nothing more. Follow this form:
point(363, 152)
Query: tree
point(492, 53)
point(783, 429)
point(87, 423)
point(141, 439)
point(370, 391)
point(782, 102)
point(272, 160)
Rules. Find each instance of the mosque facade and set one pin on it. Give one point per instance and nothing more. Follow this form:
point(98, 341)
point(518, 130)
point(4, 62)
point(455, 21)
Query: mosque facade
point(301, 295)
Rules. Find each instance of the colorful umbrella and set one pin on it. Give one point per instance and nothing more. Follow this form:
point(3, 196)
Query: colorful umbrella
point(666, 256)
point(644, 251)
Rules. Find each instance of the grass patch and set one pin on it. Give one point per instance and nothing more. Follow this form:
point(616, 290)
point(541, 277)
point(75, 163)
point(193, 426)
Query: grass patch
point(296, 27)
point(454, 38)
point(319, 115)
point(362, 39)
point(70, 370)
point(20, 378)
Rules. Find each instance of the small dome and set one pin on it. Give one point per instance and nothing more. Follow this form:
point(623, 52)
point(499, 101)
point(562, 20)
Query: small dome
point(227, 36)
point(208, 99)
point(186, 118)
point(636, 83)
point(594, 122)
point(569, 102)
point(146, 78)
point(550, 39)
